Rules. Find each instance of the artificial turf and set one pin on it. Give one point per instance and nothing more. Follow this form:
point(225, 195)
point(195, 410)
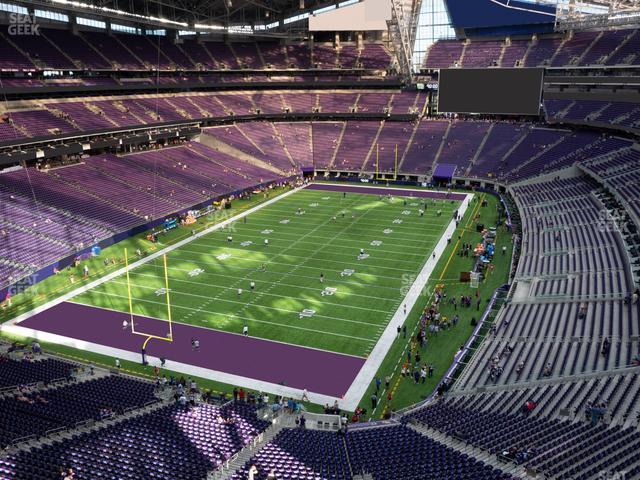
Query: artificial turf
point(310, 233)
point(439, 351)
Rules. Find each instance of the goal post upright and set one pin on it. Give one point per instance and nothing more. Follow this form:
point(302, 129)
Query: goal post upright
point(395, 165)
point(126, 269)
point(166, 338)
point(377, 163)
point(166, 287)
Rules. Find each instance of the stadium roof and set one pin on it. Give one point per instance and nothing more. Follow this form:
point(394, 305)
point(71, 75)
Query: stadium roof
point(586, 14)
point(188, 13)
point(592, 14)
point(200, 11)
point(593, 6)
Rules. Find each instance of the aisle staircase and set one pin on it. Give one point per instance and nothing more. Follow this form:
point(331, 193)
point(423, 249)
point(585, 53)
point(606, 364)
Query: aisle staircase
point(236, 462)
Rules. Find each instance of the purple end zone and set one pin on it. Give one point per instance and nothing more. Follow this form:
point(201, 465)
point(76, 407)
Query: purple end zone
point(318, 371)
point(401, 192)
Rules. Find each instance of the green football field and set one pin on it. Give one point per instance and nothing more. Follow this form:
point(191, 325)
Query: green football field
point(345, 313)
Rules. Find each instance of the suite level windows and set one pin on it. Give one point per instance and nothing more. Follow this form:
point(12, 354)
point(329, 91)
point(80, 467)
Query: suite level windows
point(90, 22)
point(48, 14)
point(11, 8)
point(295, 18)
point(125, 29)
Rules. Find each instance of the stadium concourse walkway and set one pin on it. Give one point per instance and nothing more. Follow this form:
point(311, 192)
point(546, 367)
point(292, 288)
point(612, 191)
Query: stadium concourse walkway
point(319, 371)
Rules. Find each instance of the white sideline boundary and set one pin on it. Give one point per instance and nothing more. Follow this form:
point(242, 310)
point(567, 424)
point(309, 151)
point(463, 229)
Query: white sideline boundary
point(184, 368)
point(142, 261)
point(351, 399)
point(379, 352)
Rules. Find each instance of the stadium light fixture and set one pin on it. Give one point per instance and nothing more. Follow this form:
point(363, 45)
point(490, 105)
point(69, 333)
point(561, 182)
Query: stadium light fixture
point(203, 26)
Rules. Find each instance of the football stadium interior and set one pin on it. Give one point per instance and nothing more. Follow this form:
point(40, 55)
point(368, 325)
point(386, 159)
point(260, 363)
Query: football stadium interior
point(319, 239)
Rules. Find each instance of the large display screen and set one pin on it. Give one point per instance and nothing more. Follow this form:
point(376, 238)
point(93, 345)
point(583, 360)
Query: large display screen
point(512, 91)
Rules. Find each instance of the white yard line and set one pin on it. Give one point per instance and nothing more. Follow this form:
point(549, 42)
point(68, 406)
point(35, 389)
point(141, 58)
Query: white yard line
point(202, 309)
point(357, 389)
point(277, 235)
point(401, 226)
point(224, 331)
point(334, 253)
point(227, 275)
point(227, 287)
point(311, 267)
point(376, 357)
point(395, 189)
point(261, 292)
point(303, 258)
point(140, 262)
point(184, 368)
point(322, 211)
point(406, 228)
